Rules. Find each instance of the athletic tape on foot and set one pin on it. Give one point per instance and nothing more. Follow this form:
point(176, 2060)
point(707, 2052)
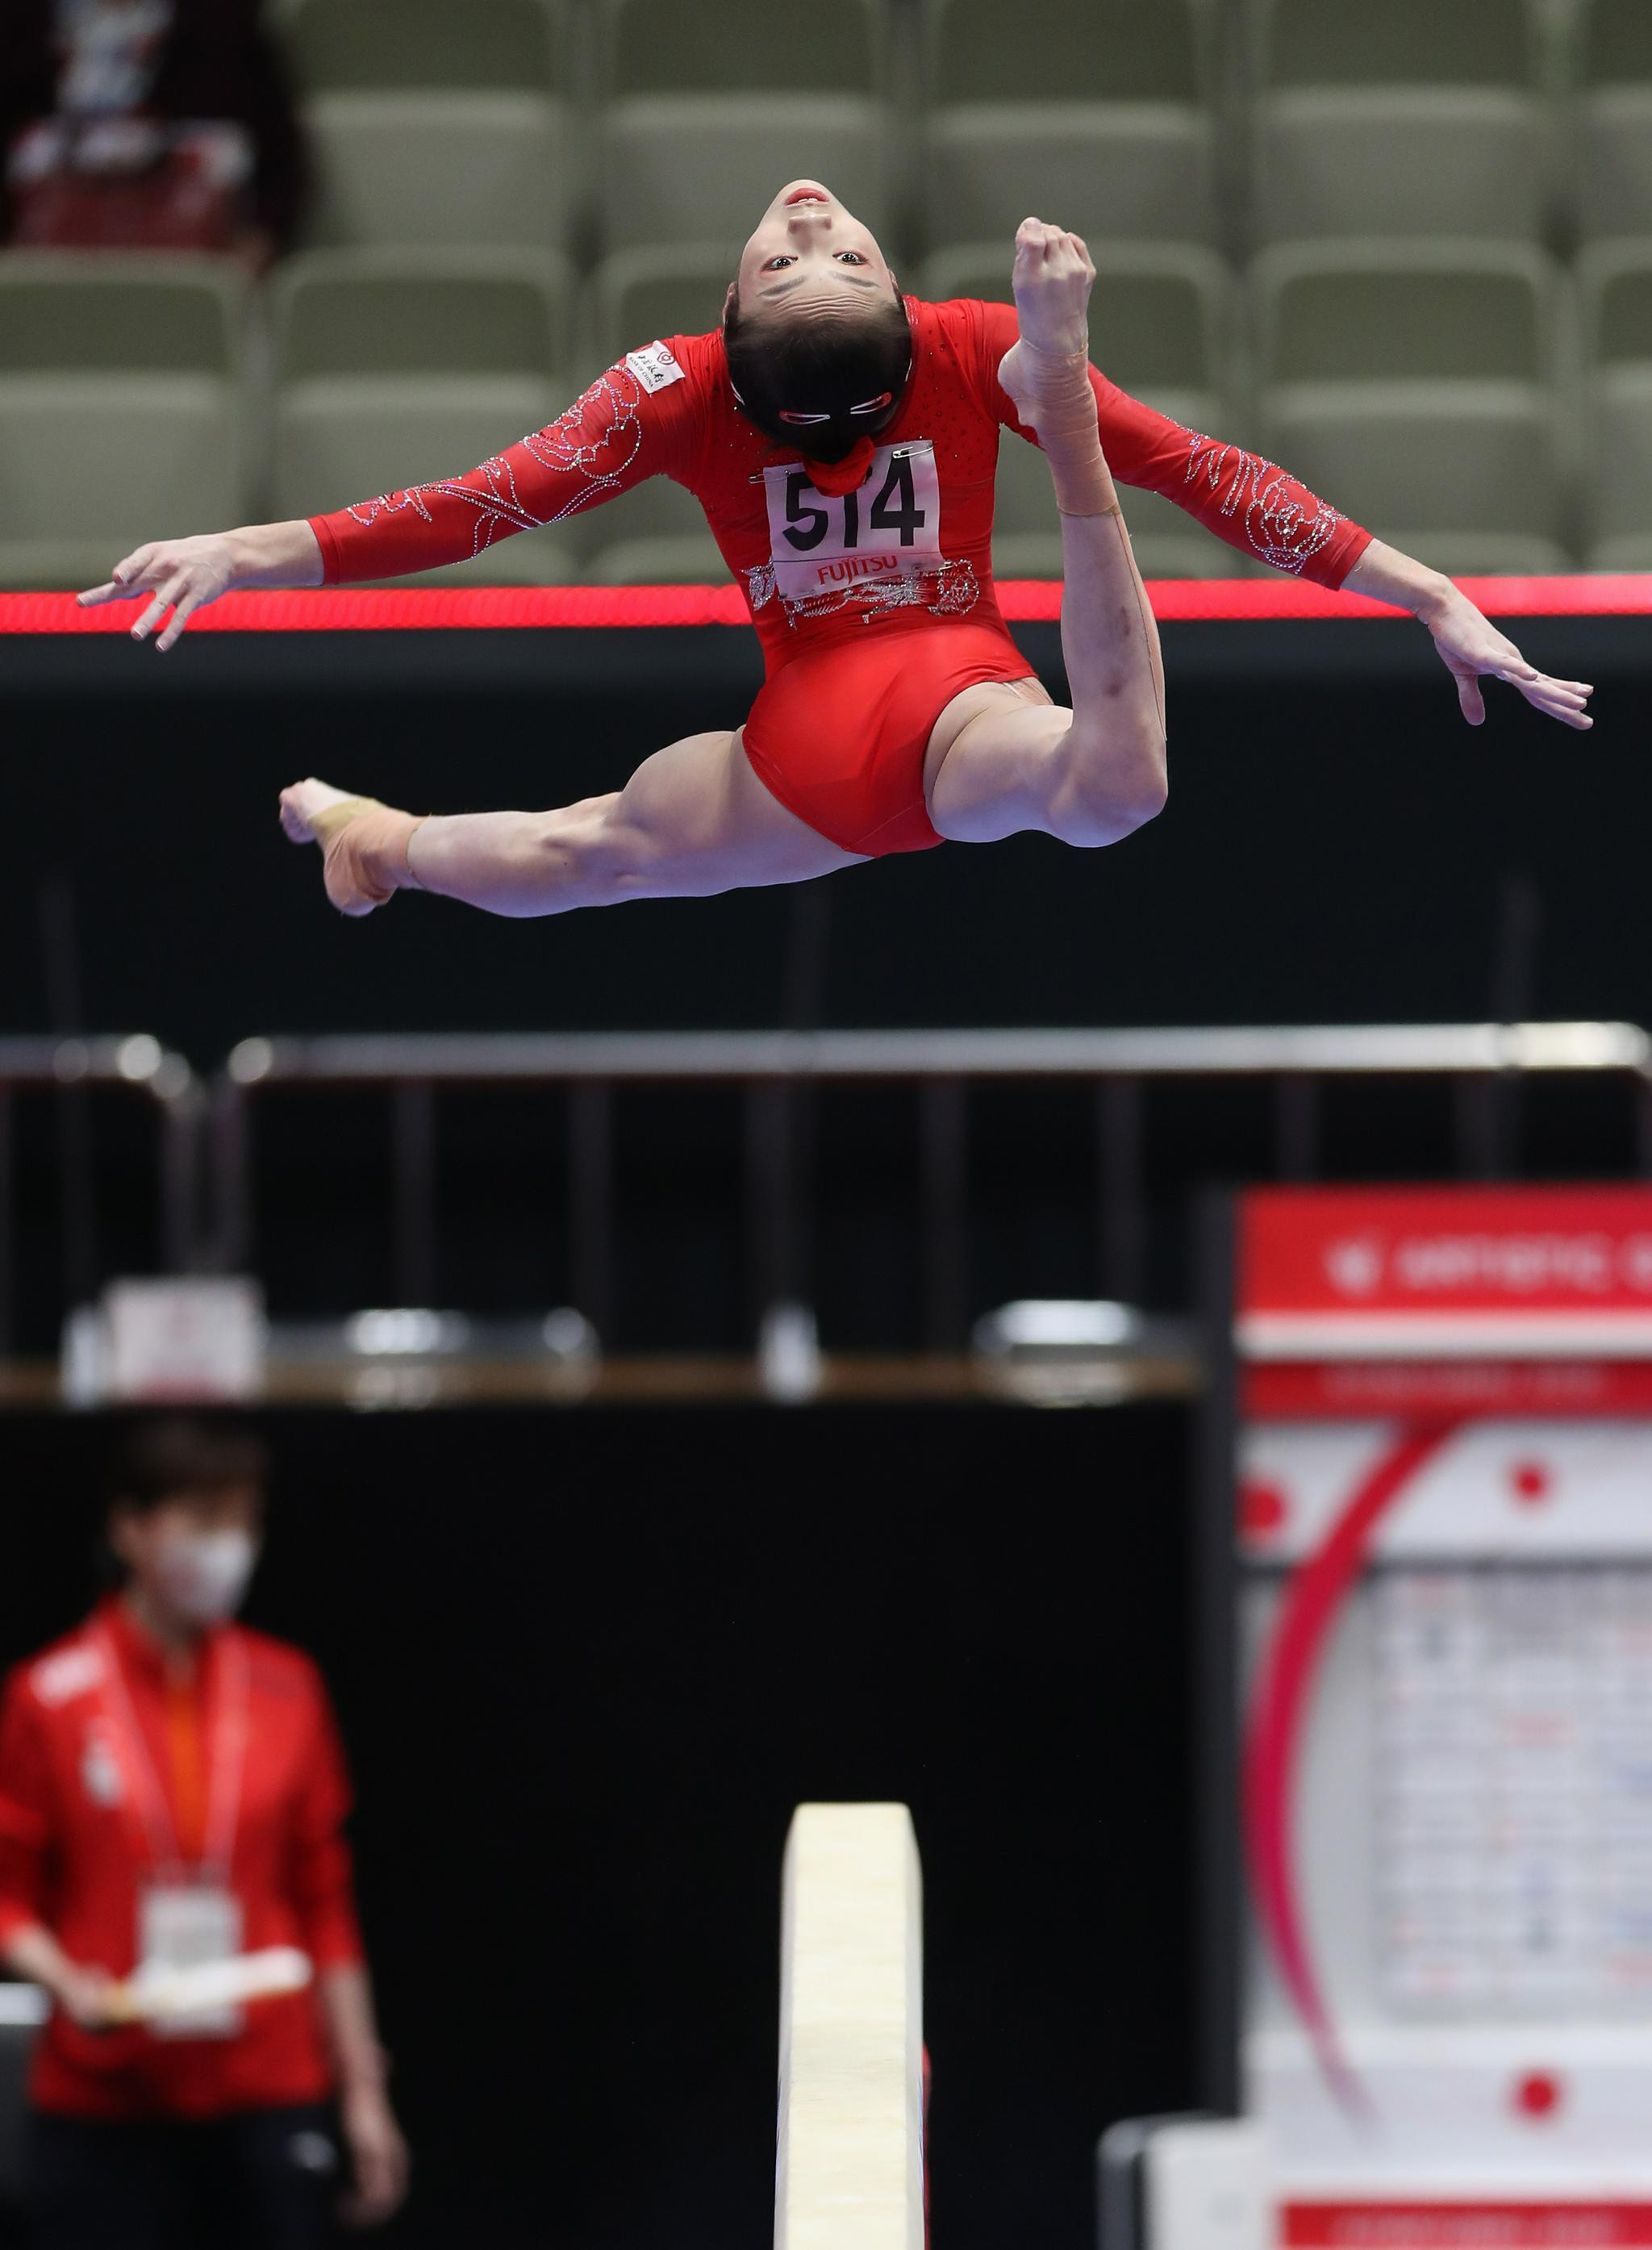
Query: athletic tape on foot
point(1057, 402)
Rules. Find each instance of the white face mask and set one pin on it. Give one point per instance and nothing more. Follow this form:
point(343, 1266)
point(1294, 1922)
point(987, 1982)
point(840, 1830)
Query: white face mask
point(205, 1574)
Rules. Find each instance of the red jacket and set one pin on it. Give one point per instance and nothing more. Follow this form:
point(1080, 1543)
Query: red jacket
point(75, 1854)
point(669, 411)
point(217, 60)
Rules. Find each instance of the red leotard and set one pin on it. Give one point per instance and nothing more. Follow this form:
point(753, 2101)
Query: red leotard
point(873, 611)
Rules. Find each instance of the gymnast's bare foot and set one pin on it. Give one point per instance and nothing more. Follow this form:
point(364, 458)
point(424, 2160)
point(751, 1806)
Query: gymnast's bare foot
point(364, 843)
point(1046, 372)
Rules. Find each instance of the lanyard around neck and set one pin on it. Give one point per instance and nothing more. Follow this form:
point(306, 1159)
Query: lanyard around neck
point(229, 1732)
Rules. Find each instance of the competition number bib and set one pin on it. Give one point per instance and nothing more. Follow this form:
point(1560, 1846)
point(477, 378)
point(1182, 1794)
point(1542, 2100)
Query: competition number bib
point(186, 1926)
point(888, 528)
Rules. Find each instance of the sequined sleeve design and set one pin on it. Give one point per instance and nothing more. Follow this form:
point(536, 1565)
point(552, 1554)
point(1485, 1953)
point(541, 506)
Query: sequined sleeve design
point(613, 437)
point(1251, 503)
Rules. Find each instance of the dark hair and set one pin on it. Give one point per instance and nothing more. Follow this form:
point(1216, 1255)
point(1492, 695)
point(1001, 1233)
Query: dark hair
point(780, 362)
point(185, 1456)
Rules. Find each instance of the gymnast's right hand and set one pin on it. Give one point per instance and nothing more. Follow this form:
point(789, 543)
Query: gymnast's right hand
point(180, 574)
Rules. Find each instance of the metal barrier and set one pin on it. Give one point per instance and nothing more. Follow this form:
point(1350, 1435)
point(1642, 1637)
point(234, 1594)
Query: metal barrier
point(1488, 1063)
point(71, 1070)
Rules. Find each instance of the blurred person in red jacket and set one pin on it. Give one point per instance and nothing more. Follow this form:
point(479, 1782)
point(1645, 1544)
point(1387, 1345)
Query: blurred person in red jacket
point(147, 124)
point(173, 1790)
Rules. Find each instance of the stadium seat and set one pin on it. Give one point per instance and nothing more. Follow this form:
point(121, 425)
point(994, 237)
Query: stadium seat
point(1617, 330)
point(397, 367)
point(638, 295)
point(1414, 386)
point(1125, 152)
point(660, 46)
point(1094, 50)
point(387, 312)
point(1429, 160)
point(1614, 120)
point(381, 45)
point(1026, 533)
point(697, 168)
point(1318, 43)
point(1111, 171)
point(656, 519)
point(1161, 316)
point(1408, 117)
point(1160, 325)
point(429, 170)
point(120, 408)
point(689, 560)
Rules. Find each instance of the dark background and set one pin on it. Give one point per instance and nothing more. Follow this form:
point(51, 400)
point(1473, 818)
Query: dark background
point(587, 1662)
point(1335, 849)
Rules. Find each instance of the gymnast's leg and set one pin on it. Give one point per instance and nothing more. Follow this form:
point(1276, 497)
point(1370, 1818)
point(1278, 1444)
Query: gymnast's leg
point(692, 821)
point(998, 763)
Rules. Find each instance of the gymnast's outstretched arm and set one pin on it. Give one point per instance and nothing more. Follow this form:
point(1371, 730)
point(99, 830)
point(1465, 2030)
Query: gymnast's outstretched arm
point(1469, 645)
point(617, 434)
point(1266, 514)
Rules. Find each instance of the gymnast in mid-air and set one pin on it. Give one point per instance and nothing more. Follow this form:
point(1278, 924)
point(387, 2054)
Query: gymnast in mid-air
point(842, 439)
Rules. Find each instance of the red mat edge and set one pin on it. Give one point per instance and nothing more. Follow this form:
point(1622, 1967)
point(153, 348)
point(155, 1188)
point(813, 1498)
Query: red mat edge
point(1022, 600)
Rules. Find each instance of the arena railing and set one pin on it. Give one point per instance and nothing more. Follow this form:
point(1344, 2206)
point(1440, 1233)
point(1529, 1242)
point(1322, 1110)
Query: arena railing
point(1487, 1062)
point(72, 1070)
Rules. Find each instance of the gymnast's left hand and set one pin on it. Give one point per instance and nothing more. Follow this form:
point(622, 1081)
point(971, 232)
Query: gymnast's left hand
point(180, 574)
point(1471, 647)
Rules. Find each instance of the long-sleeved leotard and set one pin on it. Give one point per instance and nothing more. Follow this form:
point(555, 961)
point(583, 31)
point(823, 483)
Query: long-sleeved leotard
point(809, 565)
point(839, 729)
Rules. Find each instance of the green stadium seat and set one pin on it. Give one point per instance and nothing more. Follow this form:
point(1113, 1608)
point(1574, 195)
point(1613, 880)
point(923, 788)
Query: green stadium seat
point(1415, 386)
point(1161, 325)
point(382, 45)
point(383, 312)
point(1027, 532)
point(655, 513)
point(395, 369)
point(1109, 171)
point(422, 171)
point(122, 409)
point(689, 560)
point(1094, 50)
point(697, 167)
point(1094, 114)
point(1161, 316)
point(1408, 118)
point(1428, 160)
point(638, 295)
point(1614, 155)
point(660, 46)
point(1321, 43)
point(1616, 283)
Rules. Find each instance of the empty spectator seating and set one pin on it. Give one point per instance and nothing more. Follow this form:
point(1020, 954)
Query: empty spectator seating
point(1161, 326)
point(1617, 330)
point(1403, 118)
point(708, 112)
point(1414, 386)
point(639, 295)
point(424, 169)
point(1613, 116)
point(121, 415)
point(381, 45)
point(1092, 113)
point(399, 368)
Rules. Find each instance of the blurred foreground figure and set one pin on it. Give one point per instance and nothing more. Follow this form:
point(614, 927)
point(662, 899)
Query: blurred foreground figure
point(842, 439)
point(173, 1792)
point(146, 124)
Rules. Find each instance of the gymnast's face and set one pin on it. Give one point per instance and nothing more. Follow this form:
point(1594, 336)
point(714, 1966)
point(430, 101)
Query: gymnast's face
point(811, 256)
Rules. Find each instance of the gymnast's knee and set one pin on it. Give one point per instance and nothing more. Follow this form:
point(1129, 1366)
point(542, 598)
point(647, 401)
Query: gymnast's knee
point(589, 847)
point(1107, 790)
